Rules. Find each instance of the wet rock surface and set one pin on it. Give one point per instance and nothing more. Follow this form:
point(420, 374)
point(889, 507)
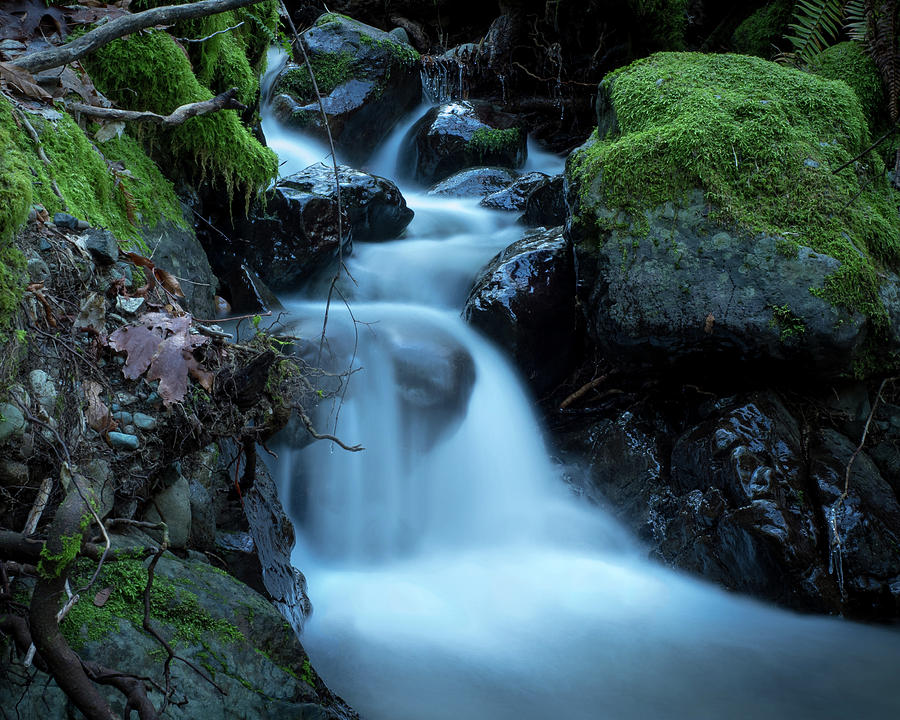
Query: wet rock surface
point(546, 204)
point(514, 197)
point(459, 135)
point(524, 301)
point(474, 182)
point(375, 207)
point(295, 234)
point(746, 492)
point(368, 78)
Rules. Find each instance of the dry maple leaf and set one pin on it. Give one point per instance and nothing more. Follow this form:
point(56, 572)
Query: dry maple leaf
point(98, 416)
point(161, 345)
point(23, 81)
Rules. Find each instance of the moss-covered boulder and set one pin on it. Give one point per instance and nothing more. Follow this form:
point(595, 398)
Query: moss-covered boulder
point(708, 221)
point(231, 633)
point(367, 79)
point(459, 135)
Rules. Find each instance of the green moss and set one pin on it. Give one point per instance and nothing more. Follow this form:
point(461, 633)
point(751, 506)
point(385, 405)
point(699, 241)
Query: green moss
point(52, 564)
point(663, 22)
point(170, 605)
point(787, 322)
point(307, 674)
point(486, 142)
point(760, 140)
point(330, 18)
point(234, 53)
point(848, 61)
point(758, 34)
point(405, 54)
point(151, 72)
point(331, 70)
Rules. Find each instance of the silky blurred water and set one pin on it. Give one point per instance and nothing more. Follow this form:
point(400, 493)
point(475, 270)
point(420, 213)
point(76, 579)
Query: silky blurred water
point(451, 572)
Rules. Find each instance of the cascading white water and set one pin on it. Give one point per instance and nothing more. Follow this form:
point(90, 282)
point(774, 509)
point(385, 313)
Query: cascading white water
point(451, 573)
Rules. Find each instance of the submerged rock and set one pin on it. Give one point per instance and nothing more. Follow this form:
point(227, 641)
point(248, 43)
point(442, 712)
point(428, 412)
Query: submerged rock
point(375, 207)
point(702, 234)
point(459, 135)
point(524, 300)
point(368, 80)
point(474, 182)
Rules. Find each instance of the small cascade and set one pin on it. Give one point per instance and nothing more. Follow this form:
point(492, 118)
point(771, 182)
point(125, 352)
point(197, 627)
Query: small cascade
point(452, 572)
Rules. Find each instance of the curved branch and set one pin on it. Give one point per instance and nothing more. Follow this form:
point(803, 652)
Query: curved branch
point(223, 101)
point(121, 26)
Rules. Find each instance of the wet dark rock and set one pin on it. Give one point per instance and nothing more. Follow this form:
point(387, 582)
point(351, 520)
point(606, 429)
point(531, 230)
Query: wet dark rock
point(459, 135)
point(291, 237)
point(689, 293)
point(368, 78)
point(863, 529)
point(102, 246)
point(524, 300)
point(749, 498)
point(513, 197)
point(177, 250)
point(247, 293)
point(474, 182)
point(545, 206)
point(375, 207)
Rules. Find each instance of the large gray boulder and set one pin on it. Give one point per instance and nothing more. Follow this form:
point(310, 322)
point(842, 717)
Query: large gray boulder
point(368, 80)
point(708, 225)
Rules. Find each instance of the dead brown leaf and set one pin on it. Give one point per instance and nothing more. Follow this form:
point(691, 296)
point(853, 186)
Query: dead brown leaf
point(169, 282)
point(161, 345)
point(102, 596)
point(98, 416)
point(23, 81)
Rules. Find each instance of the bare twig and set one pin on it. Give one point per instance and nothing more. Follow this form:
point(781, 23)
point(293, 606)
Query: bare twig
point(324, 436)
point(582, 391)
point(862, 442)
point(211, 35)
point(224, 101)
point(121, 26)
point(40, 503)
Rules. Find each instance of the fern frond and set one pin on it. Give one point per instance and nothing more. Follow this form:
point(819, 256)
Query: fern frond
point(815, 23)
point(856, 20)
point(882, 46)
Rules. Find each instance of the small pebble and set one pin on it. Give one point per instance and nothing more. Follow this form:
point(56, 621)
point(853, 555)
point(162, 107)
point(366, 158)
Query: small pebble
point(154, 398)
point(65, 220)
point(123, 441)
point(129, 430)
point(144, 422)
point(123, 418)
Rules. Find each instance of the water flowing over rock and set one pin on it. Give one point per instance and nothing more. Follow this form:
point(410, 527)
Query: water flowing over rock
point(514, 197)
point(474, 182)
point(524, 300)
point(374, 205)
point(367, 78)
point(459, 135)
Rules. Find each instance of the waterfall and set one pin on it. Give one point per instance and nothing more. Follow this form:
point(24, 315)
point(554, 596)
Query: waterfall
point(452, 573)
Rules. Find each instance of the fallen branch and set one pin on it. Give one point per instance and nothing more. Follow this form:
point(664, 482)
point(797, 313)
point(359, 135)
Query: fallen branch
point(121, 26)
point(223, 101)
point(582, 391)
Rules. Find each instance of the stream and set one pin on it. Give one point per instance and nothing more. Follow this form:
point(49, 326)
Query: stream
point(453, 573)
